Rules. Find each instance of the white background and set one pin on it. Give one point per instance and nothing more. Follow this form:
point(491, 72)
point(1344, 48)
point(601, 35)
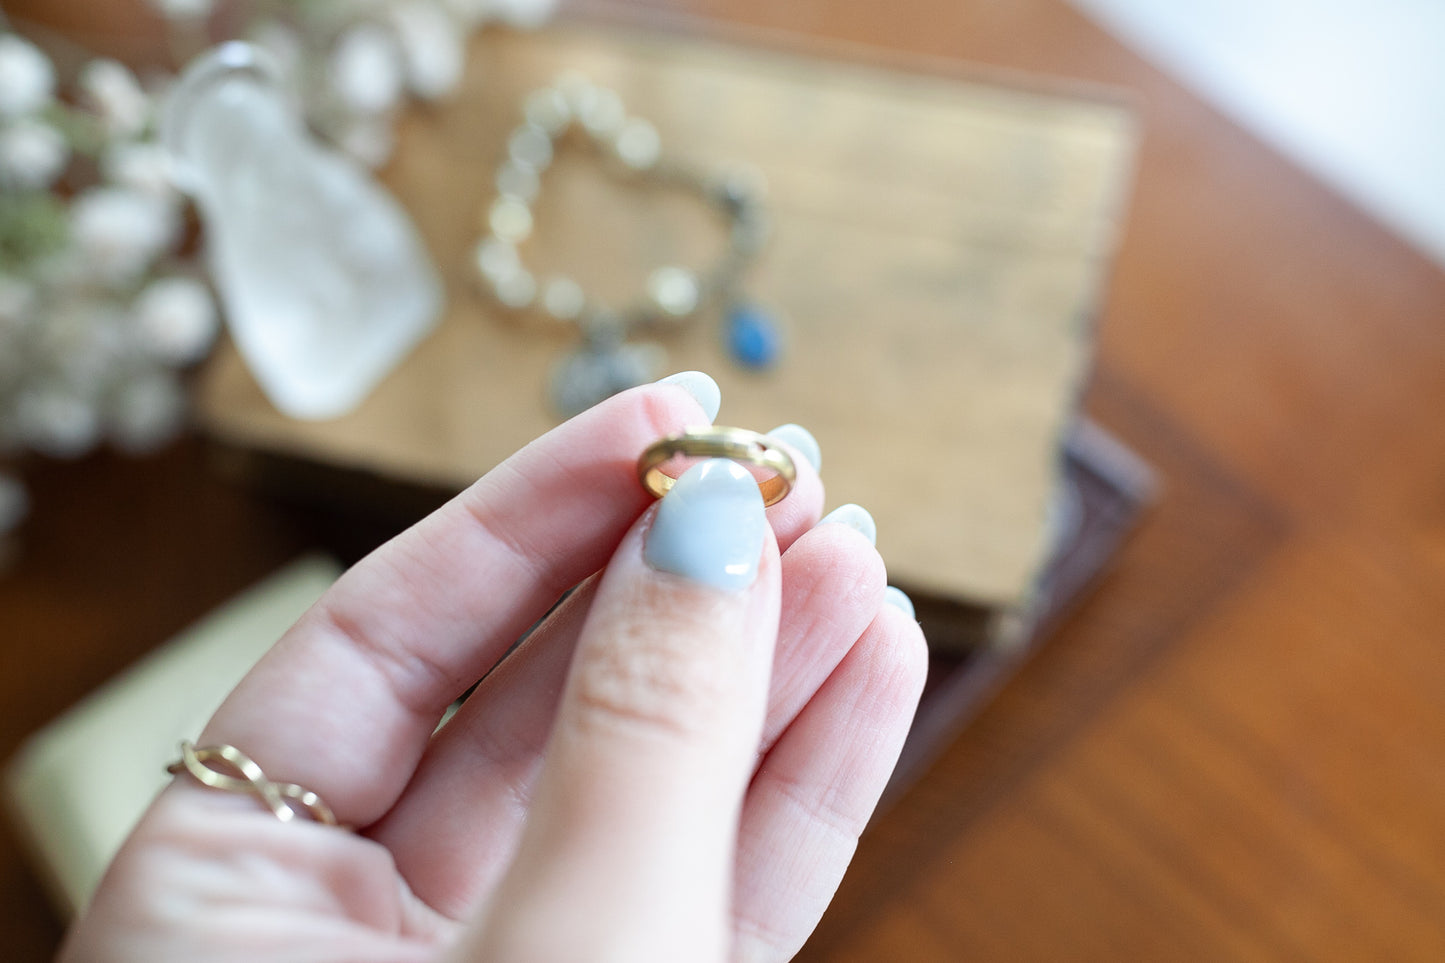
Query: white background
point(1353, 90)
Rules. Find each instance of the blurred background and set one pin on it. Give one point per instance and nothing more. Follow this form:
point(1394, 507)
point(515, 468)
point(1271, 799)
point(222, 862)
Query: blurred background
point(1152, 294)
point(1347, 90)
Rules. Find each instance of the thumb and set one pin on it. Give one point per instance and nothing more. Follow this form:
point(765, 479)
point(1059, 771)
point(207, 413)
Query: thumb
point(631, 836)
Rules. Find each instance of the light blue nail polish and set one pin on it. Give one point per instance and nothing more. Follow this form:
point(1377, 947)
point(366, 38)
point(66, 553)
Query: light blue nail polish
point(701, 386)
point(899, 600)
point(710, 526)
point(802, 441)
point(855, 517)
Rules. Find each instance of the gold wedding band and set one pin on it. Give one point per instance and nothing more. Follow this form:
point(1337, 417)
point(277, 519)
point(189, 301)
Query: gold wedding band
point(286, 799)
point(715, 441)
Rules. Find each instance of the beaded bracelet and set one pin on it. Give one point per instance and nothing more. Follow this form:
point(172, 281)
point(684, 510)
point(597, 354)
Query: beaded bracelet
point(575, 110)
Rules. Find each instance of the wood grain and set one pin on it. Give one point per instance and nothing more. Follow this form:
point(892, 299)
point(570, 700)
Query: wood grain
point(1232, 751)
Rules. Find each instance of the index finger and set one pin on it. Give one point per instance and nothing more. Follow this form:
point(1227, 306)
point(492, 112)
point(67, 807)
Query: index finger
point(345, 702)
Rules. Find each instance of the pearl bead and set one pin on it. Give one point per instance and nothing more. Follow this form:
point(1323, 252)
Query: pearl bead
point(563, 298)
point(530, 146)
point(674, 290)
point(548, 110)
point(497, 258)
point(510, 219)
point(603, 114)
point(638, 144)
point(516, 290)
point(749, 231)
point(519, 181)
point(737, 187)
point(577, 91)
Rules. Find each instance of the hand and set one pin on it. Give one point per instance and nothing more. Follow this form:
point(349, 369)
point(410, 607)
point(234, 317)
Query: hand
point(675, 766)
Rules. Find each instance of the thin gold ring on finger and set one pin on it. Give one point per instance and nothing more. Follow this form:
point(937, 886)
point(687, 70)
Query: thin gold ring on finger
point(716, 441)
point(229, 769)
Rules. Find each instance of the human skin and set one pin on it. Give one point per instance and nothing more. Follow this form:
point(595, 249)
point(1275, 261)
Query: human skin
point(665, 770)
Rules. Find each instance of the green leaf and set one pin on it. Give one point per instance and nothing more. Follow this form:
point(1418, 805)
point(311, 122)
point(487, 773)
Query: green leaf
point(33, 225)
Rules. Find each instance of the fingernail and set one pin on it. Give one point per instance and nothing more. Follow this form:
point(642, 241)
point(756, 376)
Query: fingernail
point(710, 526)
point(801, 439)
point(855, 517)
point(701, 386)
point(899, 600)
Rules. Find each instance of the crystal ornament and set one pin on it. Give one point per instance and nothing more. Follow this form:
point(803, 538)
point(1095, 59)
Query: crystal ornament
point(324, 281)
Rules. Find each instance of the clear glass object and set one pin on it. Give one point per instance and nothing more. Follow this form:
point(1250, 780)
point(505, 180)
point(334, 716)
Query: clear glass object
point(325, 282)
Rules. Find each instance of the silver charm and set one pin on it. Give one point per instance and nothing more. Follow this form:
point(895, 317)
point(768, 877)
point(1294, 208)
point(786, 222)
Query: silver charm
point(593, 373)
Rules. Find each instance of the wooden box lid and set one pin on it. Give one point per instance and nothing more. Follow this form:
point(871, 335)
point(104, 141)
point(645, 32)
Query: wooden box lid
point(938, 244)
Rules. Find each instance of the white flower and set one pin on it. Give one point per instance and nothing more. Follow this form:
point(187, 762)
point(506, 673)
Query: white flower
point(112, 91)
point(365, 69)
point(139, 165)
point(27, 80)
point(17, 315)
point(431, 46)
point(32, 154)
point(56, 421)
point(525, 14)
point(176, 319)
point(80, 341)
point(118, 232)
point(146, 412)
point(14, 365)
point(350, 11)
point(183, 9)
point(14, 503)
point(17, 299)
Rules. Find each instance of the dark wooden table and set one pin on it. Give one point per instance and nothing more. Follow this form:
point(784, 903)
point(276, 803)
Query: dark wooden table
point(1234, 748)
